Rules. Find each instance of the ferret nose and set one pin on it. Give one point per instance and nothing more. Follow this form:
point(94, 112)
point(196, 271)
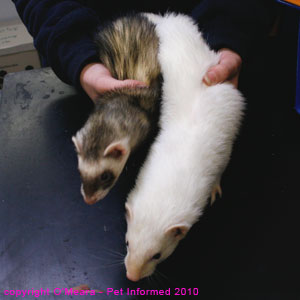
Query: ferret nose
point(133, 277)
point(90, 200)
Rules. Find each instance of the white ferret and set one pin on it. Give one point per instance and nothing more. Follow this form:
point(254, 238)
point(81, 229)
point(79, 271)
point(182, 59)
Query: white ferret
point(185, 164)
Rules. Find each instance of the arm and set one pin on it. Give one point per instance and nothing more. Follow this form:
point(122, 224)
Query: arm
point(63, 34)
point(235, 25)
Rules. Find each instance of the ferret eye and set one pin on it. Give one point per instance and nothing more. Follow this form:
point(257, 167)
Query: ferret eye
point(127, 244)
point(156, 256)
point(106, 176)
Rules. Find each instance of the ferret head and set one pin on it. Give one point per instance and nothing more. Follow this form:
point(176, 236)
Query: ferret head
point(99, 163)
point(149, 244)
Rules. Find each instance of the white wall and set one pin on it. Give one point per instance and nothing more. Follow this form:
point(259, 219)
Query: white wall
point(7, 11)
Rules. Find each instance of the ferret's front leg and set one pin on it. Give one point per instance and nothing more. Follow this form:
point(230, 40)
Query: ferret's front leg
point(216, 190)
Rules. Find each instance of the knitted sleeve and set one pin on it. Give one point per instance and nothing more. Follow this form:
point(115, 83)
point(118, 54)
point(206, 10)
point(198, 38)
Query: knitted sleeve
point(63, 34)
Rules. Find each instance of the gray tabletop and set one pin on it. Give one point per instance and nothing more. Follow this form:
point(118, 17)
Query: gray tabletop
point(243, 247)
point(49, 238)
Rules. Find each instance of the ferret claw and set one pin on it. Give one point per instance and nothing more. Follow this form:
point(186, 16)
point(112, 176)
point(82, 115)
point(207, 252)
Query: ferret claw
point(215, 191)
point(82, 287)
point(86, 288)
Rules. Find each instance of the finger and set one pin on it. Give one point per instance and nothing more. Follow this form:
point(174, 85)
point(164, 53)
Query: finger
point(227, 69)
point(216, 74)
point(134, 83)
point(111, 84)
point(222, 78)
point(235, 80)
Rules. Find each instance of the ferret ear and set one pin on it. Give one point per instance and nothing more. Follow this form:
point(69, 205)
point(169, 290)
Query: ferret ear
point(178, 231)
point(116, 150)
point(128, 212)
point(77, 144)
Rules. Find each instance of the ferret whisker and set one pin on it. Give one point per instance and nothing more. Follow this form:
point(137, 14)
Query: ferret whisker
point(156, 281)
point(161, 274)
point(97, 257)
point(151, 281)
point(165, 278)
point(105, 258)
point(118, 252)
point(168, 279)
point(160, 279)
point(114, 252)
point(114, 256)
point(115, 264)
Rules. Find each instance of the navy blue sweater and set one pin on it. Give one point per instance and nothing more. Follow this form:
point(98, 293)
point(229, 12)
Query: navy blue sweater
point(63, 30)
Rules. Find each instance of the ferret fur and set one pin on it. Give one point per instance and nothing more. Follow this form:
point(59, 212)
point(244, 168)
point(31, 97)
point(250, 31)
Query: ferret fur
point(198, 125)
point(122, 117)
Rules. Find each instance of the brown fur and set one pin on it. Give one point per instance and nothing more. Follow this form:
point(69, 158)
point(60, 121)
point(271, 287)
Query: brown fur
point(128, 48)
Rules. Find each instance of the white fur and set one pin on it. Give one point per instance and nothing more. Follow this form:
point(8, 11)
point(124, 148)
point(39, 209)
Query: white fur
point(198, 127)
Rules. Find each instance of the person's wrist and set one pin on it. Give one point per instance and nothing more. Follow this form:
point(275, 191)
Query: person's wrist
point(88, 79)
point(84, 73)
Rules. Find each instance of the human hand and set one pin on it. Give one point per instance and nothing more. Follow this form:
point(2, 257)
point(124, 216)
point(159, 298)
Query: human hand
point(228, 69)
point(96, 79)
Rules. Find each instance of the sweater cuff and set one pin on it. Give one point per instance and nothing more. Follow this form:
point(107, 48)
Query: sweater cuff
point(232, 24)
point(76, 55)
point(228, 39)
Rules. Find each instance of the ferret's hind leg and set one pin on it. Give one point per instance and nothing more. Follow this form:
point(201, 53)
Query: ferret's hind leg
point(216, 190)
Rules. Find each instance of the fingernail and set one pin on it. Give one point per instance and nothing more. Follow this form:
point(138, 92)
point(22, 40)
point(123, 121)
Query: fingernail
point(210, 78)
point(206, 80)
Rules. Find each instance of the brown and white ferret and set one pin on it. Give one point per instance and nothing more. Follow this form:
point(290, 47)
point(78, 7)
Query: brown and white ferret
point(122, 118)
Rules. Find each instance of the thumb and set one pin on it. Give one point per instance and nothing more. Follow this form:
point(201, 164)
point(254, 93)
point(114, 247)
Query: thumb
point(130, 83)
point(227, 69)
point(217, 74)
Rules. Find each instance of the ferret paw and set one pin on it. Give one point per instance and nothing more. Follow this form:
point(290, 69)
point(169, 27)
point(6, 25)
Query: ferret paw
point(215, 191)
